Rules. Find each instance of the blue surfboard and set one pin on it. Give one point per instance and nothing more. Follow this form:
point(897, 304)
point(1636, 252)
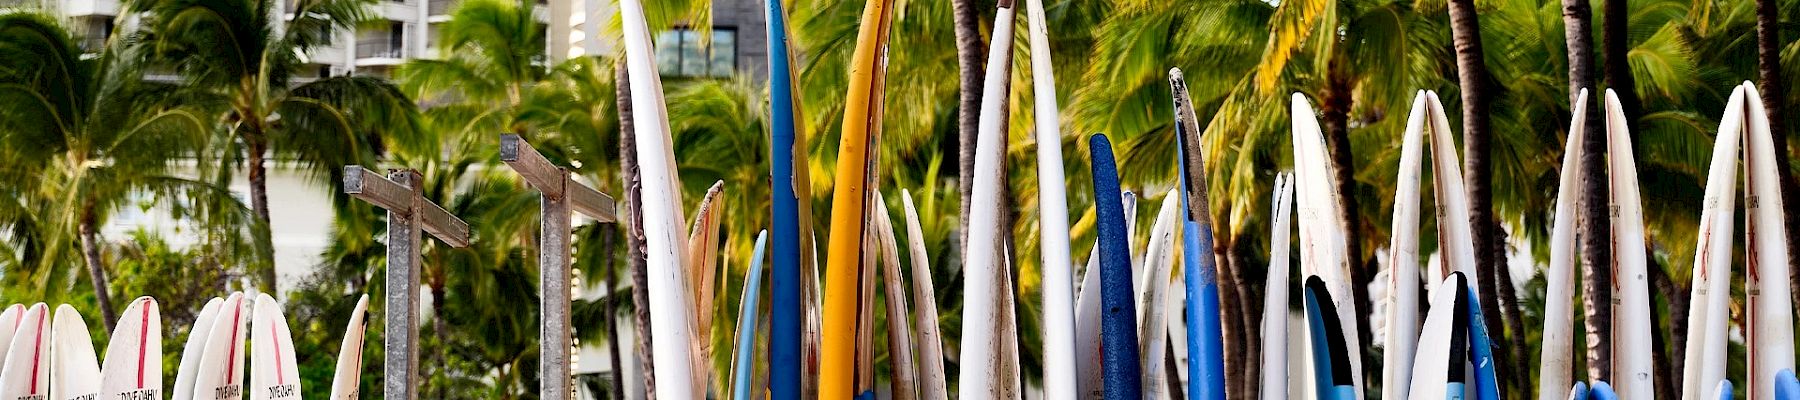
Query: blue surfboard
point(1206, 361)
point(1481, 350)
point(1579, 392)
point(1118, 313)
point(786, 337)
point(1602, 391)
point(1786, 387)
point(746, 346)
point(1331, 357)
point(1723, 390)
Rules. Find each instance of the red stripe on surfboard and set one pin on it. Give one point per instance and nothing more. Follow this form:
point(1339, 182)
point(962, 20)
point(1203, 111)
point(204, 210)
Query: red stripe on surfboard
point(231, 356)
point(37, 351)
point(143, 340)
point(280, 378)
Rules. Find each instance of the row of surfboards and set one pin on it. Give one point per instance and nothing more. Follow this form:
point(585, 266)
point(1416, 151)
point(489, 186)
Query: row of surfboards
point(1107, 341)
point(52, 356)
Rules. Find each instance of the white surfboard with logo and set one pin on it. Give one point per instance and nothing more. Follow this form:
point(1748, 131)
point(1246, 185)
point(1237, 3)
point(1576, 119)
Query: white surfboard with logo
point(26, 374)
point(274, 371)
point(220, 374)
point(133, 366)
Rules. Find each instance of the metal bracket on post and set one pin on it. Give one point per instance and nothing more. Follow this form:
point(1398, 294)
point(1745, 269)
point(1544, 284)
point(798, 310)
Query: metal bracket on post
point(560, 194)
point(409, 215)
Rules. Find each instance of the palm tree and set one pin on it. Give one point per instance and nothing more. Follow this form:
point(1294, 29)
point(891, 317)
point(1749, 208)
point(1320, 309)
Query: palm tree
point(1770, 80)
point(1578, 36)
point(246, 56)
point(84, 137)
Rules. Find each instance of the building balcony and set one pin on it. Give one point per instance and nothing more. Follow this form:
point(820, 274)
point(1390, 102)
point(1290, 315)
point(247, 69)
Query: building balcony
point(440, 7)
point(381, 53)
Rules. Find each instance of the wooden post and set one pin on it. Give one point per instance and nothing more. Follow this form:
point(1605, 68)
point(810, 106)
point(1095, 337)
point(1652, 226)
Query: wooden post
point(560, 195)
point(409, 215)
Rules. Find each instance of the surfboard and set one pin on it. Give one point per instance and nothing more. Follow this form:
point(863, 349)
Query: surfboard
point(1442, 350)
point(1331, 359)
point(1053, 215)
point(1579, 391)
point(981, 370)
point(671, 307)
point(1088, 373)
point(73, 366)
point(346, 380)
point(703, 273)
point(9, 324)
point(1455, 239)
point(1402, 322)
point(1275, 293)
point(274, 368)
point(1723, 390)
point(1322, 243)
point(1556, 359)
point(26, 374)
point(930, 338)
point(1631, 308)
point(905, 379)
point(1153, 333)
point(1707, 318)
point(1206, 362)
point(133, 368)
point(1481, 353)
point(220, 374)
point(1786, 387)
point(746, 332)
point(195, 349)
point(1118, 330)
point(863, 105)
point(1770, 312)
point(1602, 391)
point(788, 185)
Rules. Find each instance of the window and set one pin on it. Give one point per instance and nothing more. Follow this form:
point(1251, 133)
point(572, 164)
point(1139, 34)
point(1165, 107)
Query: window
point(382, 43)
point(681, 52)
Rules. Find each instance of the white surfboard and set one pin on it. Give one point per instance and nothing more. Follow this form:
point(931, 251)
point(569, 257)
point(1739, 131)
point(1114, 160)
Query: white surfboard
point(930, 339)
point(274, 369)
point(1455, 238)
point(133, 365)
point(981, 370)
point(1153, 334)
point(26, 374)
point(671, 308)
point(1431, 363)
point(1088, 372)
point(220, 374)
point(1770, 310)
point(194, 350)
point(1322, 235)
point(1712, 258)
point(1275, 293)
point(1632, 349)
point(1053, 215)
point(900, 342)
point(9, 324)
point(1402, 323)
point(1556, 360)
point(702, 274)
point(73, 366)
point(346, 381)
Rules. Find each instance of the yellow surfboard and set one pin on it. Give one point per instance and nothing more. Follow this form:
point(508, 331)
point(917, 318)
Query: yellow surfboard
point(862, 113)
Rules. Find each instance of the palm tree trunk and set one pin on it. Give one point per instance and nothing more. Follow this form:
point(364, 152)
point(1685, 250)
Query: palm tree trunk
point(1769, 80)
point(1668, 372)
point(90, 253)
point(1246, 302)
point(1578, 35)
point(442, 331)
point(1472, 75)
point(969, 47)
point(610, 324)
point(1509, 308)
point(1230, 329)
point(1614, 31)
point(1335, 115)
point(634, 227)
point(259, 196)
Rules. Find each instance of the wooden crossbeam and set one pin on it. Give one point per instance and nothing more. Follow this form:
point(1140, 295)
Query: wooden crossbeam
point(555, 181)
